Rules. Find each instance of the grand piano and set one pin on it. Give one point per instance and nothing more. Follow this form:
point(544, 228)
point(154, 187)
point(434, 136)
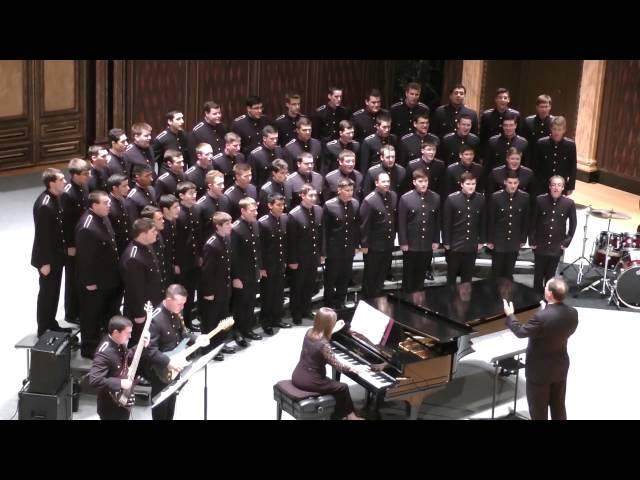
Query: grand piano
point(432, 330)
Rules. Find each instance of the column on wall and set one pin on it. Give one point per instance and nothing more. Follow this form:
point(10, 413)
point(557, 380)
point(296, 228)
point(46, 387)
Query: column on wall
point(472, 71)
point(589, 110)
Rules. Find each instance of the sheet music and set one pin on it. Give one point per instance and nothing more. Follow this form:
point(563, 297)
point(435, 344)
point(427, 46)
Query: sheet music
point(371, 323)
point(496, 346)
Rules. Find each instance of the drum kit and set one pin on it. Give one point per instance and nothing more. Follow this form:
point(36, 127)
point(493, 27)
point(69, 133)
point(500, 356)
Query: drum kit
point(618, 255)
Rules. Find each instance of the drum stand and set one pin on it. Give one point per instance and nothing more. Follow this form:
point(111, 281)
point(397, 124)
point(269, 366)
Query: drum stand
point(581, 271)
point(606, 283)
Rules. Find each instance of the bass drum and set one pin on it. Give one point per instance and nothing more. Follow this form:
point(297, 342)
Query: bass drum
point(628, 287)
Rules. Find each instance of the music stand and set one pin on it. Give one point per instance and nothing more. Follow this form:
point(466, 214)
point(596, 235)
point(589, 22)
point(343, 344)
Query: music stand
point(184, 377)
point(510, 362)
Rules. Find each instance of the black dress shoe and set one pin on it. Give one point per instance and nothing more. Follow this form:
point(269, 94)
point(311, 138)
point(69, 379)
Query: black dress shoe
point(58, 328)
point(429, 275)
point(228, 349)
point(284, 325)
point(253, 336)
point(268, 330)
point(72, 320)
point(297, 321)
point(219, 357)
point(242, 342)
point(143, 382)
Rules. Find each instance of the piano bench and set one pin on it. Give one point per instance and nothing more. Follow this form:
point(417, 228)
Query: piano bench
point(300, 404)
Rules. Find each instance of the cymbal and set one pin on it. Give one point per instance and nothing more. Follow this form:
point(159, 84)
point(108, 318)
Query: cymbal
point(580, 206)
point(607, 214)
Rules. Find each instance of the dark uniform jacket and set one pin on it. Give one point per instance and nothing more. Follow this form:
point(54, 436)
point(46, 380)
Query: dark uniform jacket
point(235, 194)
point(120, 222)
point(548, 332)
point(286, 126)
point(333, 148)
point(166, 267)
point(198, 176)
point(97, 252)
point(74, 201)
point(533, 128)
point(246, 256)
point(110, 364)
point(224, 163)
point(167, 140)
point(334, 177)
point(273, 242)
point(167, 183)
point(525, 175)
point(464, 222)
point(295, 147)
point(48, 242)
point(495, 153)
point(269, 188)
point(116, 164)
point(419, 220)
point(140, 271)
point(203, 132)
point(396, 173)
point(491, 122)
point(402, 117)
point(452, 143)
point(411, 147)
point(508, 220)
point(549, 224)
point(305, 236)
point(98, 180)
point(341, 227)
point(167, 330)
point(250, 131)
point(188, 241)
point(205, 207)
point(326, 120)
point(294, 183)
point(139, 198)
point(216, 268)
point(370, 150)
point(444, 119)
point(136, 155)
point(378, 221)
point(455, 171)
point(364, 123)
point(556, 159)
point(435, 169)
point(260, 160)
point(168, 238)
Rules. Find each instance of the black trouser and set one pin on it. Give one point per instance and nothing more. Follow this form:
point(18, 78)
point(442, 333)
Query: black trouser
point(303, 284)
point(96, 309)
point(166, 409)
point(243, 302)
point(414, 268)
point(108, 410)
point(461, 263)
point(544, 270)
point(503, 264)
point(338, 270)
point(212, 311)
point(544, 396)
point(48, 297)
point(189, 280)
point(71, 304)
point(376, 268)
point(272, 297)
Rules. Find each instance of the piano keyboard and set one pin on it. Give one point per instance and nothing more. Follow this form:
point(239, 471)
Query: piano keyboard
point(378, 380)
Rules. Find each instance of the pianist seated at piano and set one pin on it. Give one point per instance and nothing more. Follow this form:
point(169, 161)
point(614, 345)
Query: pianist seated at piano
point(310, 373)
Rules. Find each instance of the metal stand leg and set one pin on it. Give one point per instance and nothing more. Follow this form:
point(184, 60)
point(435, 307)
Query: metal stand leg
point(495, 387)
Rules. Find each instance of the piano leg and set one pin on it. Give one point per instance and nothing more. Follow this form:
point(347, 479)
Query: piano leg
point(414, 403)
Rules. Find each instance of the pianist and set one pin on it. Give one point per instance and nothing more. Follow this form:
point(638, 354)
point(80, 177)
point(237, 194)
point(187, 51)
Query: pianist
point(310, 373)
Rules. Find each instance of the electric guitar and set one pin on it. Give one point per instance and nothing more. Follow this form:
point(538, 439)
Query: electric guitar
point(181, 352)
point(126, 397)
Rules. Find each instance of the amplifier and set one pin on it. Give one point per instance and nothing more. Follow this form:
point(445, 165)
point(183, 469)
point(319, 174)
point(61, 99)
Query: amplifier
point(50, 363)
point(39, 406)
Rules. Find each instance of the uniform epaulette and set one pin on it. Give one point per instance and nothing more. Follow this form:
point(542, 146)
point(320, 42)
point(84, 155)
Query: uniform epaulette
point(370, 195)
point(237, 119)
point(456, 193)
point(295, 209)
point(264, 217)
point(320, 108)
point(131, 192)
point(129, 147)
point(198, 126)
point(358, 112)
point(451, 134)
point(334, 199)
point(212, 239)
point(290, 142)
point(280, 117)
point(407, 136)
point(67, 187)
point(570, 140)
point(422, 105)
point(370, 136)
point(236, 223)
point(416, 160)
point(530, 117)
point(45, 199)
point(397, 104)
point(488, 111)
point(164, 175)
point(161, 134)
point(257, 149)
point(202, 199)
point(230, 189)
point(87, 221)
point(332, 172)
point(266, 185)
point(217, 155)
point(291, 175)
point(103, 347)
point(190, 169)
point(156, 312)
point(332, 142)
point(134, 252)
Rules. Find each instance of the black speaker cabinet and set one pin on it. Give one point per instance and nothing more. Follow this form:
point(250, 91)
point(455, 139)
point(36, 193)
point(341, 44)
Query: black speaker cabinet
point(39, 406)
point(50, 363)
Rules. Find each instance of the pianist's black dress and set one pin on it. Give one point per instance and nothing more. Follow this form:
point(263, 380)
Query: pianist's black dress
point(310, 376)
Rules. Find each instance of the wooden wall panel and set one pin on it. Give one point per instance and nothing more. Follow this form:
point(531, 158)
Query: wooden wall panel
point(60, 86)
point(13, 89)
point(277, 77)
point(451, 76)
point(225, 82)
point(618, 148)
point(348, 75)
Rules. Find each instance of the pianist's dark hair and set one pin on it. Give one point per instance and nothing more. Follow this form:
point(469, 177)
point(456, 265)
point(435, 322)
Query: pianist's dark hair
point(324, 322)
